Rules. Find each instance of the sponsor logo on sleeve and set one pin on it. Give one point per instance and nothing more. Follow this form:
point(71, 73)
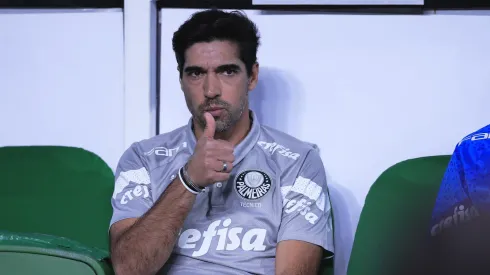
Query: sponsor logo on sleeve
point(311, 196)
point(164, 151)
point(140, 177)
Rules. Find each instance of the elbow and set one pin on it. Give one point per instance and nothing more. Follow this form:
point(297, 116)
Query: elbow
point(120, 264)
point(121, 267)
point(118, 270)
point(128, 264)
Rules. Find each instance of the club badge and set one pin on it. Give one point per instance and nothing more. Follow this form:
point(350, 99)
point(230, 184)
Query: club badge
point(252, 184)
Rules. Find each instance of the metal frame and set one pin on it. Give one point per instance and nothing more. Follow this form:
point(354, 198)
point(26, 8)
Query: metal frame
point(247, 5)
point(35, 4)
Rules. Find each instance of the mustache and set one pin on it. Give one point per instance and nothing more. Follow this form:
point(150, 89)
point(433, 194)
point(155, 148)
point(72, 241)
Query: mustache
point(213, 103)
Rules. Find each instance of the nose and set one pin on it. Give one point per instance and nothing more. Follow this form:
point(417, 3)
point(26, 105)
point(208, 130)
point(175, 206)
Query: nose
point(212, 86)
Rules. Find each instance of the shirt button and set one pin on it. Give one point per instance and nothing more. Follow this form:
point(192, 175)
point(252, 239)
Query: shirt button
point(172, 177)
point(219, 184)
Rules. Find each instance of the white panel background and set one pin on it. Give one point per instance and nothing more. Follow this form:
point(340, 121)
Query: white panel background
point(370, 90)
point(61, 79)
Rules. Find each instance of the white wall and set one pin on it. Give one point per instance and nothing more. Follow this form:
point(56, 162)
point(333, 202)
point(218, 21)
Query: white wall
point(370, 90)
point(61, 79)
point(140, 33)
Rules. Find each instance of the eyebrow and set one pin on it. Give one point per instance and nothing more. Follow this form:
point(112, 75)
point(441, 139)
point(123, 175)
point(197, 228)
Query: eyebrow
point(220, 68)
point(227, 67)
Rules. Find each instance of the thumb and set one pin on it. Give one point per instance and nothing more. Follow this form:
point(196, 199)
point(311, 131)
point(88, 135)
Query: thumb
point(210, 125)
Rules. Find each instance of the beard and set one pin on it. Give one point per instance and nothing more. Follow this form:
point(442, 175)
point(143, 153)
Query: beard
point(229, 116)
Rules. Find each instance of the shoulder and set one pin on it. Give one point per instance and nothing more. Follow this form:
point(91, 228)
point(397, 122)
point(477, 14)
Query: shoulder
point(153, 151)
point(477, 142)
point(273, 141)
point(481, 135)
point(471, 154)
point(288, 152)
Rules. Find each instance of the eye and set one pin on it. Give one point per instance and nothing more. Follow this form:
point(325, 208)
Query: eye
point(194, 74)
point(230, 72)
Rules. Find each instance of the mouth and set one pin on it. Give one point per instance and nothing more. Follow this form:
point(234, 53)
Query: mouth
point(214, 108)
point(214, 111)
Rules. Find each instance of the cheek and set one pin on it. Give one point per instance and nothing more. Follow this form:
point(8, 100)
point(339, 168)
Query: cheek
point(192, 96)
point(234, 83)
point(234, 94)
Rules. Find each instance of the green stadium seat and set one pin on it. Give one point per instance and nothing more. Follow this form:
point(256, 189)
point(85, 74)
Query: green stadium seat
point(394, 222)
point(49, 255)
point(59, 191)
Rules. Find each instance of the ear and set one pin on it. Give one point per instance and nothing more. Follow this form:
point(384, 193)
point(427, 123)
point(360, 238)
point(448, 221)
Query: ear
point(253, 79)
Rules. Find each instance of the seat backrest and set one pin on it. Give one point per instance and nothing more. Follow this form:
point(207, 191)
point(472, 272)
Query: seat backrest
point(31, 253)
point(394, 222)
point(61, 191)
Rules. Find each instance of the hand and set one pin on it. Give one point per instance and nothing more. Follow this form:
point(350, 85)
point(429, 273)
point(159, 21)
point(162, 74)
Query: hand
point(206, 165)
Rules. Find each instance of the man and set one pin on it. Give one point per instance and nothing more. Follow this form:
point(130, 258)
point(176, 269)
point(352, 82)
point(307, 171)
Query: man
point(460, 225)
point(224, 194)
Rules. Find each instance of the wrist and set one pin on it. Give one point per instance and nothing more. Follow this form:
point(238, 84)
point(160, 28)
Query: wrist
point(189, 178)
point(185, 183)
point(188, 183)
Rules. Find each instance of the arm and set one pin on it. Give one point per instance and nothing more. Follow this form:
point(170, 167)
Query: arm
point(143, 233)
point(297, 258)
point(306, 226)
point(460, 226)
point(451, 197)
point(143, 245)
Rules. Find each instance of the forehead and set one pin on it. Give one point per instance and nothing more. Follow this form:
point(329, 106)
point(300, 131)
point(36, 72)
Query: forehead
point(212, 54)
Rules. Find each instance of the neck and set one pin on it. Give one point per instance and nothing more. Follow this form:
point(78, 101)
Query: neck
point(233, 135)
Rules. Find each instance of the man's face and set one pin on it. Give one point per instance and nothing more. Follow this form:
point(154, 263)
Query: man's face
point(215, 80)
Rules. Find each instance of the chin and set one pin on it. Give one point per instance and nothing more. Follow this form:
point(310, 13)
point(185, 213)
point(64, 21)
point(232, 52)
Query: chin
point(222, 126)
point(220, 129)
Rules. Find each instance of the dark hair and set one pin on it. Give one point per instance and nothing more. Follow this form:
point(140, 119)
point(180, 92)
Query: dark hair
point(211, 25)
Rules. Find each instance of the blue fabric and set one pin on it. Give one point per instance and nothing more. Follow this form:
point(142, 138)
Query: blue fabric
point(465, 189)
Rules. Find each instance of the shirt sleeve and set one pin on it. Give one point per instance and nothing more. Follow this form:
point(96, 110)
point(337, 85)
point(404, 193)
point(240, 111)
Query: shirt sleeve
point(453, 203)
point(132, 195)
point(307, 212)
point(475, 157)
point(459, 225)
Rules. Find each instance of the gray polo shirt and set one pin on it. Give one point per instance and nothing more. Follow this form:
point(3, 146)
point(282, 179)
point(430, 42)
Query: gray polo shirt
point(277, 191)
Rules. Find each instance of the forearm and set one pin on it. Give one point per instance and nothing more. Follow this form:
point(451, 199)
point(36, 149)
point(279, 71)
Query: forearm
point(146, 246)
point(300, 270)
point(297, 258)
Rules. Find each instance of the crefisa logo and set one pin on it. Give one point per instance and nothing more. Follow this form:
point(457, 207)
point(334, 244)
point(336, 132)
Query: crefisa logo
point(252, 184)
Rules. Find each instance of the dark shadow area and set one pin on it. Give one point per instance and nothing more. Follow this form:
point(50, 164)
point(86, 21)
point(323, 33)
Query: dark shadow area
point(463, 249)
